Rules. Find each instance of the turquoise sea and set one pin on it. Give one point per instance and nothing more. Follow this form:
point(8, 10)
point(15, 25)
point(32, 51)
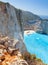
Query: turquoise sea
point(37, 44)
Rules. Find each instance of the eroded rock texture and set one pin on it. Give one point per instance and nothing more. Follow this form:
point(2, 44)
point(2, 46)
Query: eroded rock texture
point(11, 24)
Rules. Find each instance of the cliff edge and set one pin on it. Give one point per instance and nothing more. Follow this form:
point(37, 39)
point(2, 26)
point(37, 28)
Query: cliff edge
point(11, 25)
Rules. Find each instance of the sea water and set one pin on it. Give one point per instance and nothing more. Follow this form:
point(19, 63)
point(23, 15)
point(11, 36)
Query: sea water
point(37, 44)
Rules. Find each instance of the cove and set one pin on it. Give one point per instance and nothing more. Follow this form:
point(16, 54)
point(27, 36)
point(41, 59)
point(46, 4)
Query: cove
point(37, 44)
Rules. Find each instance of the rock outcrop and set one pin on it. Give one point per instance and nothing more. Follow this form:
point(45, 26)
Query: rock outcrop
point(12, 56)
point(8, 55)
point(11, 25)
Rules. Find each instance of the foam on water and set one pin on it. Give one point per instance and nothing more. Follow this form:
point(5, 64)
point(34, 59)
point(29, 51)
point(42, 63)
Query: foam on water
point(37, 44)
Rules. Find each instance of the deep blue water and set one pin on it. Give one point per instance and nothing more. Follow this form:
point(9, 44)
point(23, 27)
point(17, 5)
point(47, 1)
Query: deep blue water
point(37, 44)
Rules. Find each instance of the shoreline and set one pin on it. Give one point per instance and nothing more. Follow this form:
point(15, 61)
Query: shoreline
point(29, 32)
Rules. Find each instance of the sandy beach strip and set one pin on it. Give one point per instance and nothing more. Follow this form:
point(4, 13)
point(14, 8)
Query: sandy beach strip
point(29, 32)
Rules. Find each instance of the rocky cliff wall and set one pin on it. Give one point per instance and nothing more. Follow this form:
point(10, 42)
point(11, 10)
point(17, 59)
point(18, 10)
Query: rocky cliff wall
point(11, 24)
point(44, 25)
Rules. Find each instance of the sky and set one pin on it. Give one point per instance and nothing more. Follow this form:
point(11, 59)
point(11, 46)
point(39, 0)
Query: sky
point(39, 7)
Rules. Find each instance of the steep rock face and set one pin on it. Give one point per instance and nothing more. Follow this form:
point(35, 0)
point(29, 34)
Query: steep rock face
point(44, 25)
point(11, 25)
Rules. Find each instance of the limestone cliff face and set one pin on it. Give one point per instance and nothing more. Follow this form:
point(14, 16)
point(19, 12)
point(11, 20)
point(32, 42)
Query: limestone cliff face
point(11, 24)
point(44, 25)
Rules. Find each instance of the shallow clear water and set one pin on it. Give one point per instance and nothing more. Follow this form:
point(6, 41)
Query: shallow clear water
point(37, 44)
